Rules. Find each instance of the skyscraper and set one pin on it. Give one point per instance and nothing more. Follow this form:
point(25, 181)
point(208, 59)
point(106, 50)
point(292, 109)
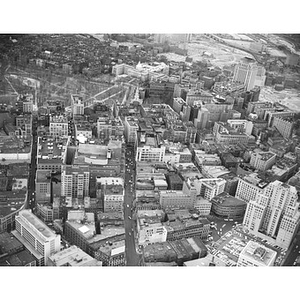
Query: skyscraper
point(249, 73)
point(274, 213)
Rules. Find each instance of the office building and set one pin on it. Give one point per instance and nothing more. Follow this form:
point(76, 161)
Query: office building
point(176, 199)
point(227, 206)
point(150, 228)
point(284, 126)
point(131, 127)
point(58, 126)
point(72, 257)
point(75, 181)
point(274, 214)
point(225, 134)
point(51, 153)
point(249, 73)
point(113, 197)
point(77, 105)
point(38, 238)
point(249, 187)
point(244, 126)
point(262, 161)
point(178, 104)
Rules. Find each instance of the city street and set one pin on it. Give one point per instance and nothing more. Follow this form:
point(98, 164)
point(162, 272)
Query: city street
point(221, 225)
point(294, 252)
point(31, 182)
point(132, 258)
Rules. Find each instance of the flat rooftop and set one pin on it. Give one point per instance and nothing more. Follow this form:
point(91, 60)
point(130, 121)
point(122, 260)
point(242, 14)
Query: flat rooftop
point(107, 232)
point(259, 253)
point(265, 155)
point(227, 200)
point(37, 223)
point(49, 149)
point(208, 260)
point(8, 243)
point(74, 257)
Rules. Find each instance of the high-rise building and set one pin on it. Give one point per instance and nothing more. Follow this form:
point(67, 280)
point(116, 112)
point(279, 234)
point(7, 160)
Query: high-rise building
point(131, 128)
point(38, 238)
point(284, 126)
point(75, 181)
point(274, 213)
point(77, 105)
point(249, 73)
point(178, 103)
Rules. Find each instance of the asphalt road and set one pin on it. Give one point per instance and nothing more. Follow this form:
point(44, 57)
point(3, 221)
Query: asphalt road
point(221, 225)
point(293, 252)
point(31, 182)
point(132, 258)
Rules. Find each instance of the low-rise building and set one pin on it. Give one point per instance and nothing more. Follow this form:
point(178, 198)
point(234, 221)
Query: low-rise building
point(13, 252)
point(262, 160)
point(51, 153)
point(150, 228)
point(187, 228)
point(58, 126)
point(227, 206)
point(72, 257)
point(256, 255)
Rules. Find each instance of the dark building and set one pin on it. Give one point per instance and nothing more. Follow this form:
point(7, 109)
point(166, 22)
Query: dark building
point(174, 182)
point(13, 252)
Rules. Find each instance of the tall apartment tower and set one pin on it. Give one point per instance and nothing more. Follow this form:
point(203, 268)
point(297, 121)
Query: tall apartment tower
point(77, 105)
point(38, 238)
point(274, 213)
point(249, 73)
point(75, 181)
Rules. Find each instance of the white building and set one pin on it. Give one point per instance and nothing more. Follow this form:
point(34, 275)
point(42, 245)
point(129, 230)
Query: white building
point(151, 154)
point(131, 127)
point(256, 255)
point(83, 129)
point(249, 187)
point(204, 159)
point(77, 105)
point(242, 125)
point(203, 206)
point(249, 73)
point(208, 188)
point(149, 227)
point(274, 213)
point(262, 161)
point(38, 238)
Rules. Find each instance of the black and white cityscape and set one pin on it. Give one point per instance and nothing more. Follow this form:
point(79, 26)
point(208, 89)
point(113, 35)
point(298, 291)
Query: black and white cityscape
point(149, 150)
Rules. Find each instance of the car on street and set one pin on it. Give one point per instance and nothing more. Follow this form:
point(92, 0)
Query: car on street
point(127, 205)
point(129, 217)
